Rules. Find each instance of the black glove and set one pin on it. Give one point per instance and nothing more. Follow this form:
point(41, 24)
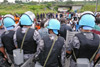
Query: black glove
point(35, 58)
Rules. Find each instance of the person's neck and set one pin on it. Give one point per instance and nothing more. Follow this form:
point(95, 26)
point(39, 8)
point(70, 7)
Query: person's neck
point(1, 26)
point(27, 26)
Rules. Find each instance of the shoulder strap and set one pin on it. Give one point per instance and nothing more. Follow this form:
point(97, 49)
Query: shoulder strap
point(95, 53)
point(49, 52)
point(23, 40)
point(74, 55)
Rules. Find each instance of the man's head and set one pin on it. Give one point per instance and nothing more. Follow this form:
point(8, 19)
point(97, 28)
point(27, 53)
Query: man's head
point(63, 20)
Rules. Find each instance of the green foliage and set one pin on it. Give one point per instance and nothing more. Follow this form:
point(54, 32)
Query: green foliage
point(5, 1)
point(90, 8)
point(21, 8)
point(32, 3)
point(69, 2)
point(35, 7)
point(56, 8)
point(49, 5)
point(19, 2)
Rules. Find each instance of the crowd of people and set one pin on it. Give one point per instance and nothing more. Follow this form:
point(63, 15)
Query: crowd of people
point(44, 37)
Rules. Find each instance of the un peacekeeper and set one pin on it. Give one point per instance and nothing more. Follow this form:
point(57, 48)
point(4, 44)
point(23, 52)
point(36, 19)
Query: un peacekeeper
point(86, 43)
point(32, 38)
point(64, 28)
point(7, 36)
point(2, 29)
point(57, 56)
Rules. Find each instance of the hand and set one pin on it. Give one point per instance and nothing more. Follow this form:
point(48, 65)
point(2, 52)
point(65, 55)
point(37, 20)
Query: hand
point(97, 56)
point(35, 58)
point(5, 56)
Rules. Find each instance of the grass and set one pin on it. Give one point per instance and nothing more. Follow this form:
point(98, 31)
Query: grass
point(90, 8)
point(21, 8)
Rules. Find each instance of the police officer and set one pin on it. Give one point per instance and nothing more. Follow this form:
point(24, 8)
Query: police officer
point(57, 56)
point(64, 28)
point(2, 29)
point(7, 36)
point(86, 43)
point(32, 37)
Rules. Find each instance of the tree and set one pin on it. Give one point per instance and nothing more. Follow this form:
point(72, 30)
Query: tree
point(84, 1)
point(69, 2)
point(5, 1)
point(61, 0)
point(49, 5)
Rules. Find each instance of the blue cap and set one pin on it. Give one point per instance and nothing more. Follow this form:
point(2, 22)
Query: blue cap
point(55, 31)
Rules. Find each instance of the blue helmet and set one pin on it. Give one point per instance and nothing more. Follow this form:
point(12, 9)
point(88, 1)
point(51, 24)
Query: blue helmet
point(87, 20)
point(54, 24)
point(31, 15)
point(8, 20)
point(27, 18)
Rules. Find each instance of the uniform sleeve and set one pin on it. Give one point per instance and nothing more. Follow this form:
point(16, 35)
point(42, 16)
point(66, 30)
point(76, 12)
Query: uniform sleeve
point(1, 43)
point(14, 39)
point(37, 37)
point(99, 44)
point(39, 48)
point(74, 43)
point(63, 55)
point(1, 40)
point(39, 41)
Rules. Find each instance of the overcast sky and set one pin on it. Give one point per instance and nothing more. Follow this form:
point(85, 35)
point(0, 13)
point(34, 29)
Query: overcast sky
point(40, 0)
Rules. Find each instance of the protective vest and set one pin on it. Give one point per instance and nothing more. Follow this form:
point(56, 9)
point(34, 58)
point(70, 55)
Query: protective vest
point(54, 59)
point(29, 45)
point(63, 31)
point(7, 40)
point(87, 47)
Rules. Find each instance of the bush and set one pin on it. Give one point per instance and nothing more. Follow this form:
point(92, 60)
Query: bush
point(21, 8)
point(19, 2)
point(90, 8)
point(56, 8)
point(49, 5)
